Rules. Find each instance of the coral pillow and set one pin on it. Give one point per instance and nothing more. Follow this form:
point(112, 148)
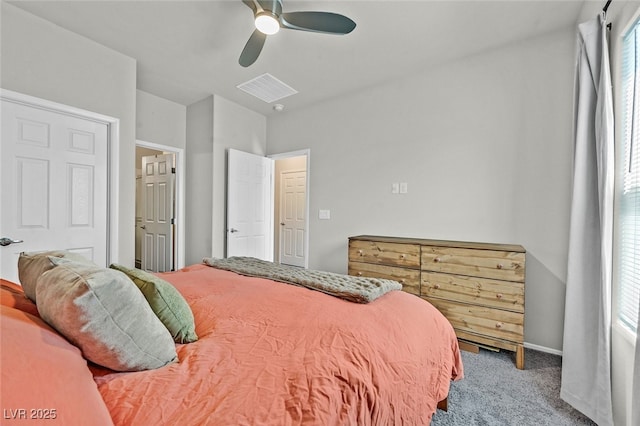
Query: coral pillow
point(44, 378)
point(104, 314)
point(32, 265)
point(167, 303)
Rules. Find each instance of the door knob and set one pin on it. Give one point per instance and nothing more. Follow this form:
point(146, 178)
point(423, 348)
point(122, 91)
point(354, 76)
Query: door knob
point(282, 223)
point(233, 230)
point(143, 227)
point(4, 241)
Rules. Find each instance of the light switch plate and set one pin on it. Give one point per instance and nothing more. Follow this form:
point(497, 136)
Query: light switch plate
point(404, 187)
point(324, 214)
point(395, 188)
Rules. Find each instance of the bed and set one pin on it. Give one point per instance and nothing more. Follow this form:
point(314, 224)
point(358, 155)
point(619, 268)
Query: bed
point(267, 353)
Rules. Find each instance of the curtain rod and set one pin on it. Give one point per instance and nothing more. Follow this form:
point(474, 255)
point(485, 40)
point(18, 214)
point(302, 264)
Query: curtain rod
point(604, 9)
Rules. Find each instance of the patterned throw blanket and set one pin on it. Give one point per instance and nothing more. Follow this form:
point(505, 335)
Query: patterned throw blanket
point(353, 289)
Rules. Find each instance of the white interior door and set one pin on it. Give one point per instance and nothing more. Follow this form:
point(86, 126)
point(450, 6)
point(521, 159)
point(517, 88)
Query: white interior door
point(54, 184)
point(249, 205)
point(139, 233)
point(157, 217)
point(293, 201)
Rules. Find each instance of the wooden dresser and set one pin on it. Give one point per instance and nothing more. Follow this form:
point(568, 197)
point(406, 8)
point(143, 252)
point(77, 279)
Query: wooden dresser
point(479, 287)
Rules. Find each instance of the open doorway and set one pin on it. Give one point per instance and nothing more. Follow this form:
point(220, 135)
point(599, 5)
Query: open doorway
point(291, 208)
point(267, 211)
point(159, 231)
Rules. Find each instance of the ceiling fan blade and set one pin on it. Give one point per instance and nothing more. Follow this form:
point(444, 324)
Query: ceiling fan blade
point(252, 49)
point(250, 4)
point(321, 22)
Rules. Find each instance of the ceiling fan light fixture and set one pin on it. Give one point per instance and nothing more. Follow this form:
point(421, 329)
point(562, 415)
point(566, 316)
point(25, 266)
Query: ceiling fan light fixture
point(267, 23)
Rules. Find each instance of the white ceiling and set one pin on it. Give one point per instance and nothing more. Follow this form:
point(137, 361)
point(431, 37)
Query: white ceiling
point(187, 50)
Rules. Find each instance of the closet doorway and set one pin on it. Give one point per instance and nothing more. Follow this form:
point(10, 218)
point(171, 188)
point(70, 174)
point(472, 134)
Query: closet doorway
point(159, 235)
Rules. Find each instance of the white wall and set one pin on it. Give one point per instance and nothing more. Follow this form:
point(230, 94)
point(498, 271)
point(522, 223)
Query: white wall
point(485, 147)
point(43, 60)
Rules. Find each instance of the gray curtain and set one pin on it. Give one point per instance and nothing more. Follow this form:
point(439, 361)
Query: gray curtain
point(586, 363)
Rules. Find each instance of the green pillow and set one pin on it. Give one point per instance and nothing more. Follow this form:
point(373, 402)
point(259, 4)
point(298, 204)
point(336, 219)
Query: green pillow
point(166, 302)
point(32, 265)
point(102, 312)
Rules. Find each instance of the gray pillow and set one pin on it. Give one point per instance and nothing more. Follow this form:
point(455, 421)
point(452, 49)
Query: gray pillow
point(166, 302)
point(104, 314)
point(32, 265)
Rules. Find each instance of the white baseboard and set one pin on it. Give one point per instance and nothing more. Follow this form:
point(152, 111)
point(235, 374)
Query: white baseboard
point(542, 349)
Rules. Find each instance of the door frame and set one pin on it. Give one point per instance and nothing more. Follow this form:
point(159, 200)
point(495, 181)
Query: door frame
point(180, 190)
point(113, 153)
point(283, 156)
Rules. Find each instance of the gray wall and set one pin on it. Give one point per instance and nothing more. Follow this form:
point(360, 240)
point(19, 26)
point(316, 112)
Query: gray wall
point(213, 126)
point(43, 60)
point(160, 121)
point(199, 178)
point(239, 128)
point(485, 147)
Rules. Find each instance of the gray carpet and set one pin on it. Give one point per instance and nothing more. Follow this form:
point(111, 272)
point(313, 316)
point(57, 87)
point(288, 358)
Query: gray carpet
point(494, 392)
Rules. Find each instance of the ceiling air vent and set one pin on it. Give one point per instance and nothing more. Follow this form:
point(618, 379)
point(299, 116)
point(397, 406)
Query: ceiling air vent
point(267, 88)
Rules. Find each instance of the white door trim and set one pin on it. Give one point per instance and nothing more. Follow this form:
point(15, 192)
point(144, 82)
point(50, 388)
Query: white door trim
point(180, 189)
point(307, 154)
point(113, 149)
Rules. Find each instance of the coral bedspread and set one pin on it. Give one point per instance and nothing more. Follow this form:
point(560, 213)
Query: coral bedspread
point(271, 353)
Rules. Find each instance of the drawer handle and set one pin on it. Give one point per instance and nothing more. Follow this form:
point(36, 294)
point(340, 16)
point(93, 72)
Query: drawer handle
point(498, 325)
point(499, 295)
point(499, 266)
point(360, 252)
point(436, 286)
point(437, 260)
point(402, 256)
point(402, 281)
point(359, 274)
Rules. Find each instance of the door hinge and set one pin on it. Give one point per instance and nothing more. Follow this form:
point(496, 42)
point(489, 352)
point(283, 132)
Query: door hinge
point(173, 170)
point(173, 221)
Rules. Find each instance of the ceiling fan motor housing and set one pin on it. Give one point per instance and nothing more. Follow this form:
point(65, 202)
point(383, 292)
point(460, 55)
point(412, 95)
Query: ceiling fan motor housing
point(272, 7)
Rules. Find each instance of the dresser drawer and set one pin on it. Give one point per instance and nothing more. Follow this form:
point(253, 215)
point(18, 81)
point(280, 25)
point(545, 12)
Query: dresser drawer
point(409, 278)
point(484, 321)
point(384, 253)
point(478, 291)
point(501, 265)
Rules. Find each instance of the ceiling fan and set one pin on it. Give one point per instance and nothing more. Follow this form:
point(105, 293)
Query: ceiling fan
point(269, 19)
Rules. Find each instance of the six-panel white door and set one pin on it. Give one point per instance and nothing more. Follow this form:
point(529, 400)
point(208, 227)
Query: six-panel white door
point(54, 184)
point(293, 201)
point(249, 205)
point(157, 212)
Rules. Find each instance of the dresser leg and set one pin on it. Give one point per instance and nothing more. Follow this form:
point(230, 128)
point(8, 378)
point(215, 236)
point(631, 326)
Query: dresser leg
point(444, 404)
point(520, 357)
